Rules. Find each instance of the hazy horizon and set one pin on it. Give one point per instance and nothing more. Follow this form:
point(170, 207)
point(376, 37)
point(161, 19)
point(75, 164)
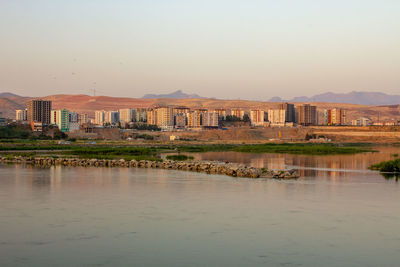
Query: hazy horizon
point(223, 49)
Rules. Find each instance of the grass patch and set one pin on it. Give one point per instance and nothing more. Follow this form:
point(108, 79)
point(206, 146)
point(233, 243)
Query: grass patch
point(179, 157)
point(127, 153)
point(295, 148)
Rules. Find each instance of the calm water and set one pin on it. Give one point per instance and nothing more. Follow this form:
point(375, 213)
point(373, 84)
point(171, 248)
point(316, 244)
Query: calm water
point(339, 214)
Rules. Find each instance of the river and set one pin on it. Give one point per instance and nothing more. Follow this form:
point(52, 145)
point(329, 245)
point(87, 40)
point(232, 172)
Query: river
point(337, 214)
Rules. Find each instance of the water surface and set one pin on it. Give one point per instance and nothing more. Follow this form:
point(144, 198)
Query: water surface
point(73, 216)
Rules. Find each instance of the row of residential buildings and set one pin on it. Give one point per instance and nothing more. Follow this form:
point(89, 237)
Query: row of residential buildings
point(40, 112)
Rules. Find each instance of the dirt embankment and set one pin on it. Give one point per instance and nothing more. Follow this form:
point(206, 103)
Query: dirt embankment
point(259, 135)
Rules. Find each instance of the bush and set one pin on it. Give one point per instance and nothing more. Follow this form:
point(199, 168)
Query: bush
point(387, 166)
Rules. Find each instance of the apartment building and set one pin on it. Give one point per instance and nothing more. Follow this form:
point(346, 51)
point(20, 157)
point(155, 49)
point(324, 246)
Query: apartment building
point(21, 115)
point(73, 121)
point(257, 117)
point(277, 117)
point(290, 111)
point(180, 120)
point(83, 118)
point(127, 115)
point(194, 119)
point(239, 113)
point(39, 111)
point(308, 115)
point(151, 115)
point(141, 115)
point(60, 118)
point(99, 117)
point(111, 117)
point(210, 119)
point(334, 116)
point(165, 117)
point(221, 113)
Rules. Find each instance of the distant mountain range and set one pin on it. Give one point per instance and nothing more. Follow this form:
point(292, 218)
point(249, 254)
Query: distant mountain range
point(177, 95)
point(8, 95)
point(360, 98)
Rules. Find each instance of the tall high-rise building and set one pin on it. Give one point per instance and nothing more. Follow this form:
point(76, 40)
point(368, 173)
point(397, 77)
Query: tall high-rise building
point(73, 121)
point(239, 113)
point(194, 119)
point(61, 119)
point(83, 118)
point(257, 117)
point(308, 115)
point(181, 110)
point(210, 119)
point(335, 116)
point(21, 115)
point(99, 117)
point(141, 115)
point(165, 117)
point(151, 116)
point(39, 111)
point(127, 115)
point(277, 116)
point(180, 120)
point(111, 117)
point(221, 113)
point(290, 111)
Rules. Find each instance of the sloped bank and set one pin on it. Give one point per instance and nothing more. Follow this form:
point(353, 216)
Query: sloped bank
point(210, 167)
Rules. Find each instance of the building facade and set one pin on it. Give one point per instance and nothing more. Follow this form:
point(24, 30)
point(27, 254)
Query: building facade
point(21, 115)
point(335, 116)
point(141, 115)
point(127, 115)
point(39, 111)
point(210, 119)
point(165, 117)
point(290, 112)
point(257, 117)
point(277, 117)
point(61, 119)
point(111, 117)
point(308, 115)
point(99, 117)
point(238, 113)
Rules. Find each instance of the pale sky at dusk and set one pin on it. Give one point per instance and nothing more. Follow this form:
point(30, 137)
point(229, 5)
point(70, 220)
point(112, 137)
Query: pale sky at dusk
point(226, 49)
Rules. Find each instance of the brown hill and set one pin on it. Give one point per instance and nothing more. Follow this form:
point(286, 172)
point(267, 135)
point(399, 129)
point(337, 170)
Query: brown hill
point(88, 104)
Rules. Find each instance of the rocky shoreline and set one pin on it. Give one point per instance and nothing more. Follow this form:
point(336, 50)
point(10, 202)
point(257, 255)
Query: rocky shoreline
point(209, 167)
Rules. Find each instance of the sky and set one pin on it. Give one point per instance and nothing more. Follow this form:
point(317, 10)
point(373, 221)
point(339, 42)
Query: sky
point(253, 49)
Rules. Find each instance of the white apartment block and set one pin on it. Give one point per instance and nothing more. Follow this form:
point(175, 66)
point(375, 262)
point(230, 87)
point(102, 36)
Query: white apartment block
point(21, 115)
point(111, 117)
point(277, 116)
point(210, 119)
point(239, 113)
point(99, 117)
point(127, 115)
point(257, 117)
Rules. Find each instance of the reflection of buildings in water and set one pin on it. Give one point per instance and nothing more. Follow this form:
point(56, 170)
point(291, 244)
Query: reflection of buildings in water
point(325, 166)
point(276, 163)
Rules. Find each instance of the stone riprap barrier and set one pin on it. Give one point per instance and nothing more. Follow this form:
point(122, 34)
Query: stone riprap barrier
point(210, 167)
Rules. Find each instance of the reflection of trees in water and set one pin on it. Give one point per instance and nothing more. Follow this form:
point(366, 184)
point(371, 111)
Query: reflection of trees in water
point(391, 176)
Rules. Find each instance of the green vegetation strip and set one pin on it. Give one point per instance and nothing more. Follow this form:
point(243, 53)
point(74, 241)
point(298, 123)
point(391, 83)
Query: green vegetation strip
point(295, 148)
point(392, 166)
point(179, 157)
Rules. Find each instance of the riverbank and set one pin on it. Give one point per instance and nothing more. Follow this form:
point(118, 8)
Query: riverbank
point(209, 167)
